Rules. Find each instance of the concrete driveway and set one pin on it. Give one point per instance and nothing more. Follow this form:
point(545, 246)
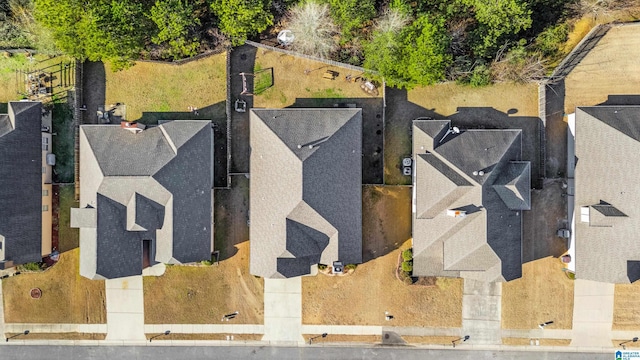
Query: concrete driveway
point(482, 311)
point(125, 309)
point(592, 313)
point(283, 310)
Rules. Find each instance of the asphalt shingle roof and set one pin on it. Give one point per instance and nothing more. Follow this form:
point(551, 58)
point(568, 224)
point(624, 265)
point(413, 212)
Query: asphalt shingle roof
point(154, 185)
point(607, 144)
point(21, 182)
point(473, 171)
point(306, 195)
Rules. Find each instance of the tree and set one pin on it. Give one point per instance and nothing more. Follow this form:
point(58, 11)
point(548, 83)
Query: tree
point(240, 19)
point(96, 30)
point(417, 55)
point(497, 20)
point(313, 28)
point(175, 22)
point(352, 14)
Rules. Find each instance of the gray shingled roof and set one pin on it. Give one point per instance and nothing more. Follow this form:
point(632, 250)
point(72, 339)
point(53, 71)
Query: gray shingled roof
point(154, 185)
point(306, 194)
point(607, 144)
point(21, 182)
point(486, 243)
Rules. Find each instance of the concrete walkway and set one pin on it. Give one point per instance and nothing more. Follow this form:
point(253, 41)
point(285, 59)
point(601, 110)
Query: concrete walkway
point(592, 313)
point(283, 310)
point(125, 309)
point(481, 311)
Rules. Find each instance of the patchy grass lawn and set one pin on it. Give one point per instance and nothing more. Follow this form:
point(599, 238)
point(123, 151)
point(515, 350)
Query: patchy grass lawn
point(626, 303)
point(543, 293)
point(291, 83)
point(203, 294)
point(441, 102)
point(69, 238)
point(66, 296)
point(10, 84)
point(543, 342)
point(331, 338)
point(58, 336)
point(613, 65)
point(373, 288)
point(149, 89)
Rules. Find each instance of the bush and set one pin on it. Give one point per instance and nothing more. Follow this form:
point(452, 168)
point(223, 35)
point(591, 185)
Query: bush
point(350, 267)
point(480, 76)
point(407, 266)
point(322, 267)
point(407, 255)
point(32, 266)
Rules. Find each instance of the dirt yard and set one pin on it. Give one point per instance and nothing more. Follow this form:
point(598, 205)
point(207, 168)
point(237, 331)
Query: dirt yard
point(231, 212)
point(291, 83)
point(66, 296)
point(151, 89)
point(505, 104)
point(544, 293)
point(611, 68)
point(203, 294)
point(373, 288)
point(626, 305)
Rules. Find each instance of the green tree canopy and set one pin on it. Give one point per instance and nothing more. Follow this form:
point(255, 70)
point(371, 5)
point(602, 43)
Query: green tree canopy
point(96, 29)
point(352, 14)
point(415, 56)
point(497, 20)
point(240, 19)
point(175, 22)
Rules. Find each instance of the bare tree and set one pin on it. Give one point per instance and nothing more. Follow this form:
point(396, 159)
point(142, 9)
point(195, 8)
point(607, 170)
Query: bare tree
point(313, 28)
point(392, 20)
point(599, 8)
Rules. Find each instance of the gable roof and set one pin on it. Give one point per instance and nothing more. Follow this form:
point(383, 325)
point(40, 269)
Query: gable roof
point(606, 176)
point(306, 195)
point(479, 173)
point(21, 183)
point(154, 185)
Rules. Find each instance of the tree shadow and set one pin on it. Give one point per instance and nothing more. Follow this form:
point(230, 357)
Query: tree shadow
point(372, 130)
point(555, 131)
point(215, 113)
point(93, 90)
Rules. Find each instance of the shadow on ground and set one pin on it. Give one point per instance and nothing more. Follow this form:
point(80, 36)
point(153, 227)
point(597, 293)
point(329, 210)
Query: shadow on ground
point(372, 130)
point(242, 60)
point(231, 215)
point(93, 90)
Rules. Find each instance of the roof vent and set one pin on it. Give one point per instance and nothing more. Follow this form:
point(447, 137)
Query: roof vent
point(453, 130)
point(478, 173)
point(456, 213)
point(133, 126)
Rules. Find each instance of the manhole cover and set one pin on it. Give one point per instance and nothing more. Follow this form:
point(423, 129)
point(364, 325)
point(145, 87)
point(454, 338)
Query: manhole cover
point(36, 293)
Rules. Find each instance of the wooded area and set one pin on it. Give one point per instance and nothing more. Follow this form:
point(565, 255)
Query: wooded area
point(407, 42)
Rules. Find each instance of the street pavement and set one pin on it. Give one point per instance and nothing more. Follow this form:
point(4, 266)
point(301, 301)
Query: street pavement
point(280, 353)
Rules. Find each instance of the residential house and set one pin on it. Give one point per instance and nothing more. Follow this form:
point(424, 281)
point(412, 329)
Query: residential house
point(469, 190)
point(25, 224)
point(605, 242)
point(145, 196)
point(306, 190)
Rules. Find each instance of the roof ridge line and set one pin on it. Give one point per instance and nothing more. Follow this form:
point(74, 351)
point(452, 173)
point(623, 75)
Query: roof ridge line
point(172, 145)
